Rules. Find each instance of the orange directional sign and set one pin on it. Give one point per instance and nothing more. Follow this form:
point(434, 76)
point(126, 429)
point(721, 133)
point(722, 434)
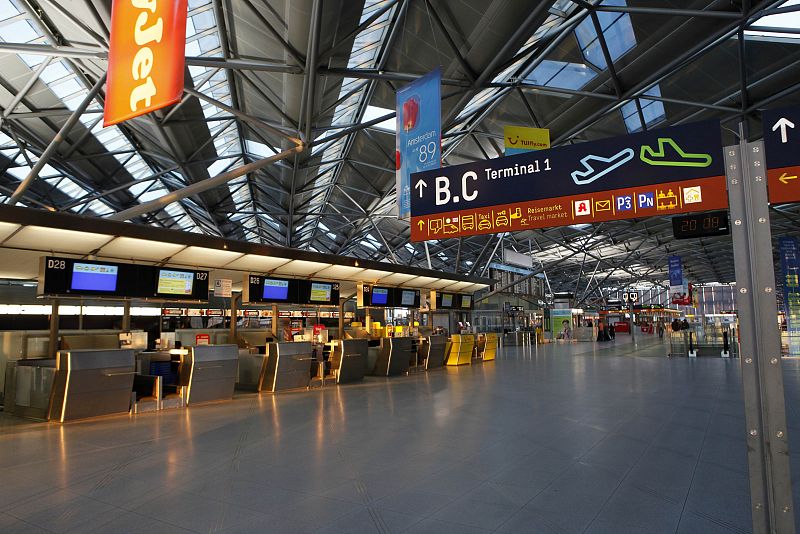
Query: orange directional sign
point(782, 146)
point(656, 173)
point(146, 57)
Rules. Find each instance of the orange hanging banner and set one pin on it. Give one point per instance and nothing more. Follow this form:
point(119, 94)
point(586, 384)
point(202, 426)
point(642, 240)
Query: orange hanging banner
point(146, 59)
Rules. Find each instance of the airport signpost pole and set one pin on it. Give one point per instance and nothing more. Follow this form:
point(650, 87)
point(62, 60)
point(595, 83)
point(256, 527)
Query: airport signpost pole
point(762, 376)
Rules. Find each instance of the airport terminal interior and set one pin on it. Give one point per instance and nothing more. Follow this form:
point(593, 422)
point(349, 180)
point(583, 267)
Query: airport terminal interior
point(419, 266)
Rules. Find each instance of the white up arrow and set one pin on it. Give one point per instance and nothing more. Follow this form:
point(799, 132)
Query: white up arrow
point(783, 123)
point(421, 185)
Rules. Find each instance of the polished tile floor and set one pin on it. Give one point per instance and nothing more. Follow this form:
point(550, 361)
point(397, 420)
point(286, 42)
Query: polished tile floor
point(567, 438)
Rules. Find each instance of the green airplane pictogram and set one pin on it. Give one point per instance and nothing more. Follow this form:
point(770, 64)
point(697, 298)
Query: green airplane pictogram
point(648, 155)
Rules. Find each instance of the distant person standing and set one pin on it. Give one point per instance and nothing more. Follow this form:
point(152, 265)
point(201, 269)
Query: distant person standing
point(611, 333)
point(660, 329)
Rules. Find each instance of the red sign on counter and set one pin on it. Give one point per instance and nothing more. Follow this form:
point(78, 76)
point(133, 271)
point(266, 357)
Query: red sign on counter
point(202, 339)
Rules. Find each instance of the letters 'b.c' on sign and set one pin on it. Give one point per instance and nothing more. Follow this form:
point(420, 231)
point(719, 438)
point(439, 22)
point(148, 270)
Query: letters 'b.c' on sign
point(659, 172)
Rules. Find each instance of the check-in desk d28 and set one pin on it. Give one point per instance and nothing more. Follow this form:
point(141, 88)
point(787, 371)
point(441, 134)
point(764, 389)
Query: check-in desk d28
point(92, 383)
point(461, 348)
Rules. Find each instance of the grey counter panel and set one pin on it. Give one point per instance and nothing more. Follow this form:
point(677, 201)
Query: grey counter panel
point(213, 373)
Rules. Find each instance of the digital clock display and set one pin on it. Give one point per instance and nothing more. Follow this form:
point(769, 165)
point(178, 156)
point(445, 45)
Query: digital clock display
point(713, 223)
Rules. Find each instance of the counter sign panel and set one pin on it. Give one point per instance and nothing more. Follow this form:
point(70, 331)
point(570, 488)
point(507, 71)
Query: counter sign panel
point(660, 172)
point(782, 146)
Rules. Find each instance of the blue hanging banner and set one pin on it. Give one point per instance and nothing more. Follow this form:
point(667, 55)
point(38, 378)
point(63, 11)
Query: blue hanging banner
point(675, 271)
point(790, 274)
point(419, 134)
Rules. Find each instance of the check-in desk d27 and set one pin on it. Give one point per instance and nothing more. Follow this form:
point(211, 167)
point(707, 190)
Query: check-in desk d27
point(212, 372)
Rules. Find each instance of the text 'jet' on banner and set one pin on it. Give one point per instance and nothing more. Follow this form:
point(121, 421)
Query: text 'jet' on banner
point(419, 134)
point(659, 172)
point(146, 57)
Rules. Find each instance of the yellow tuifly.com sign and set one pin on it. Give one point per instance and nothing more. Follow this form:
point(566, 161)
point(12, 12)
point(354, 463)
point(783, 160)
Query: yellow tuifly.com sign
point(520, 139)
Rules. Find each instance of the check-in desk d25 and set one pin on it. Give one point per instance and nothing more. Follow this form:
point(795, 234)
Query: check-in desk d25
point(212, 372)
point(288, 366)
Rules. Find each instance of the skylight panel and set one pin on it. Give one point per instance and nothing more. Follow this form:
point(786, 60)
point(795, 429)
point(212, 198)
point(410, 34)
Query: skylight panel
point(652, 110)
point(373, 112)
point(561, 74)
point(782, 20)
point(20, 31)
point(617, 31)
point(364, 54)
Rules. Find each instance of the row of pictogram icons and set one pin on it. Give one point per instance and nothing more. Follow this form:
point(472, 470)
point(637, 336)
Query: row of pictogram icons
point(661, 200)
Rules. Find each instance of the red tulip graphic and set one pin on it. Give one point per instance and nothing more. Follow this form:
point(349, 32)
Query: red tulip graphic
point(397, 160)
point(410, 113)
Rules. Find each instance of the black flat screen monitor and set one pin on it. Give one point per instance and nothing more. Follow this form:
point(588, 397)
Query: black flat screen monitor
point(276, 289)
point(321, 292)
point(408, 298)
point(380, 296)
point(466, 301)
point(447, 300)
point(175, 283)
point(94, 277)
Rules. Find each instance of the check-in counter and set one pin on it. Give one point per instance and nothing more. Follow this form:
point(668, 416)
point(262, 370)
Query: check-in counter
point(29, 384)
point(461, 348)
point(431, 350)
point(288, 366)
point(348, 360)
point(91, 383)
point(211, 370)
point(487, 346)
point(394, 355)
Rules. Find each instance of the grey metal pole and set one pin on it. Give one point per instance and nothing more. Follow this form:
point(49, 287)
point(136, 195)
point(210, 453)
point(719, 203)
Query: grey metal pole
point(52, 347)
point(760, 351)
point(201, 186)
point(126, 316)
point(234, 311)
point(275, 322)
point(341, 317)
point(57, 140)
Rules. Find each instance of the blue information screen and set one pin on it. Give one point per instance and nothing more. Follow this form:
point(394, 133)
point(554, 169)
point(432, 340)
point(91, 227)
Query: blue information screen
point(276, 289)
point(93, 277)
point(380, 295)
